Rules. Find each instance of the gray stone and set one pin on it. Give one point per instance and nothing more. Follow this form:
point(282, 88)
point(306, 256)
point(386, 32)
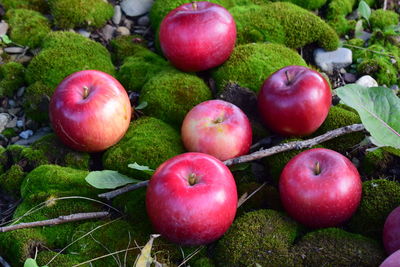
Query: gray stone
point(128, 23)
point(12, 103)
point(38, 134)
point(20, 123)
point(4, 119)
point(12, 123)
point(136, 7)
point(329, 61)
point(349, 77)
point(108, 32)
point(367, 81)
point(14, 50)
point(3, 27)
point(26, 134)
point(123, 31)
point(144, 21)
point(365, 36)
point(116, 19)
point(21, 91)
point(84, 32)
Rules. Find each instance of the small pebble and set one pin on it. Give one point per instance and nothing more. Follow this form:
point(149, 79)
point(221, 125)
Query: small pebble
point(12, 103)
point(84, 32)
point(128, 23)
point(3, 27)
point(14, 139)
point(116, 19)
point(20, 123)
point(108, 32)
point(329, 61)
point(14, 50)
point(26, 134)
point(349, 77)
point(12, 123)
point(21, 91)
point(123, 31)
point(4, 119)
point(144, 21)
point(136, 7)
point(367, 81)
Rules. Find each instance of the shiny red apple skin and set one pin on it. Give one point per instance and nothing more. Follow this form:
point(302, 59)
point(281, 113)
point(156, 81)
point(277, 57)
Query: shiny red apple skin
point(319, 200)
point(191, 214)
point(218, 128)
point(392, 261)
point(197, 37)
point(391, 232)
point(294, 101)
point(93, 123)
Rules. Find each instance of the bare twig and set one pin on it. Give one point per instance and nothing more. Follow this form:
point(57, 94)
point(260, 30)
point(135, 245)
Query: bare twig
point(4, 263)
point(246, 197)
point(296, 144)
point(370, 50)
point(384, 5)
point(117, 192)
point(258, 154)
point(59, 220)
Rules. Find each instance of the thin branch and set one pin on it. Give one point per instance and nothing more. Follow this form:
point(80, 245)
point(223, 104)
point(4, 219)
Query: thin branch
point(296, 144)
point(59, 220)
point(117, 192)
point(384, 5)
point(370, 50)
point(258, 155)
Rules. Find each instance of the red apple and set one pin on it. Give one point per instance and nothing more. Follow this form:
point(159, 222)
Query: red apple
point(90, 111)
point(391, 231)
point(320, 188)
point(218, 128)
point(197, 36)
point(392, 261)
point(191, 199)
point(294, 101)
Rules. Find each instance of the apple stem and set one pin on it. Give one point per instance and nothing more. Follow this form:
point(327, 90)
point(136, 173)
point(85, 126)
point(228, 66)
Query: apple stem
point(218, 120)
point(317, 168)
point(287, 77)
point(194, 5)
point(85, 92)
point(192, 179)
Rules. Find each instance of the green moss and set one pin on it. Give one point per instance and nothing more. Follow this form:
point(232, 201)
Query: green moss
point(137, 70)
point(277, 162)
point(203, 262)
point(283, 23)
point(376, 161)
point(57, 153)
point(161, 8)
point(309, 4)
point(12, 78)
point(249, 65)
point(336, 15)
point(339, 117)
point(38, 5)
point(336, 247)
point(62, 260)
point(381, 69)
point(125, 46)
point(12, 179)
point(342, 25)
point(9, 132)
point(379, 198)
point(383, 18)
point(80, 13)
point(148, 142)
point(171, 95)
point(262, 237)
point(36, 101)
point(27, 27)
point(26, 157)
point(16, 246)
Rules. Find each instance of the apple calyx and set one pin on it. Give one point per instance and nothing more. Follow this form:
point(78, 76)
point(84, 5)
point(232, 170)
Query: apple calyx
point(288, 78)
point(218, 120)
point(85, 92)
point(317, 168)
point(192, 179)
point(194, 5)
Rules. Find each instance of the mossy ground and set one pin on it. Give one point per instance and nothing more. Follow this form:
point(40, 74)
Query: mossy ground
point(249, 65)
point(28, 27)
point(382, 19)
point(125, 46)
point(38, 5)
point(12, 78)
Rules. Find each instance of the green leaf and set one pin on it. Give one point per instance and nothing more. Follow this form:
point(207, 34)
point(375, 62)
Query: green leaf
point(138, 167)
point(358, 31)
point(141, 105)
point(379, 110)
point(30, 263)
point(5, 39)
point(364, 10)
point(108, 179)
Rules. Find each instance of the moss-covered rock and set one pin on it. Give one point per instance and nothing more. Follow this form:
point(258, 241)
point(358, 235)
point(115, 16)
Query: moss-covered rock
point(171, 95)
point(38, 5)
point(339, 117)
point(379, 198)
point(336, 15)
point(336, 247)
point(57, 153)
point(26, 157)
point(383, 18)
point(80, 13)
point(203, 262)
point(12, 78)
point(148, 142)
point(283, 23)
point(61, 260)
point(376, 161)
point(27, 27)
point(125, 46)
point(12, 179)
point(249, 65)
point(63, 54)
point(262, 237)
point(140, 68)
point(309, 4)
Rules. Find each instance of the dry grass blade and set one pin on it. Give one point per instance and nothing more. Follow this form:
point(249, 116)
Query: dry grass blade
point(244, 197)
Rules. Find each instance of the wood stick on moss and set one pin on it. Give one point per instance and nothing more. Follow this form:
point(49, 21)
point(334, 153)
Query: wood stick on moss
point(59, 220)
point(259, 154)
point(295, 144)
